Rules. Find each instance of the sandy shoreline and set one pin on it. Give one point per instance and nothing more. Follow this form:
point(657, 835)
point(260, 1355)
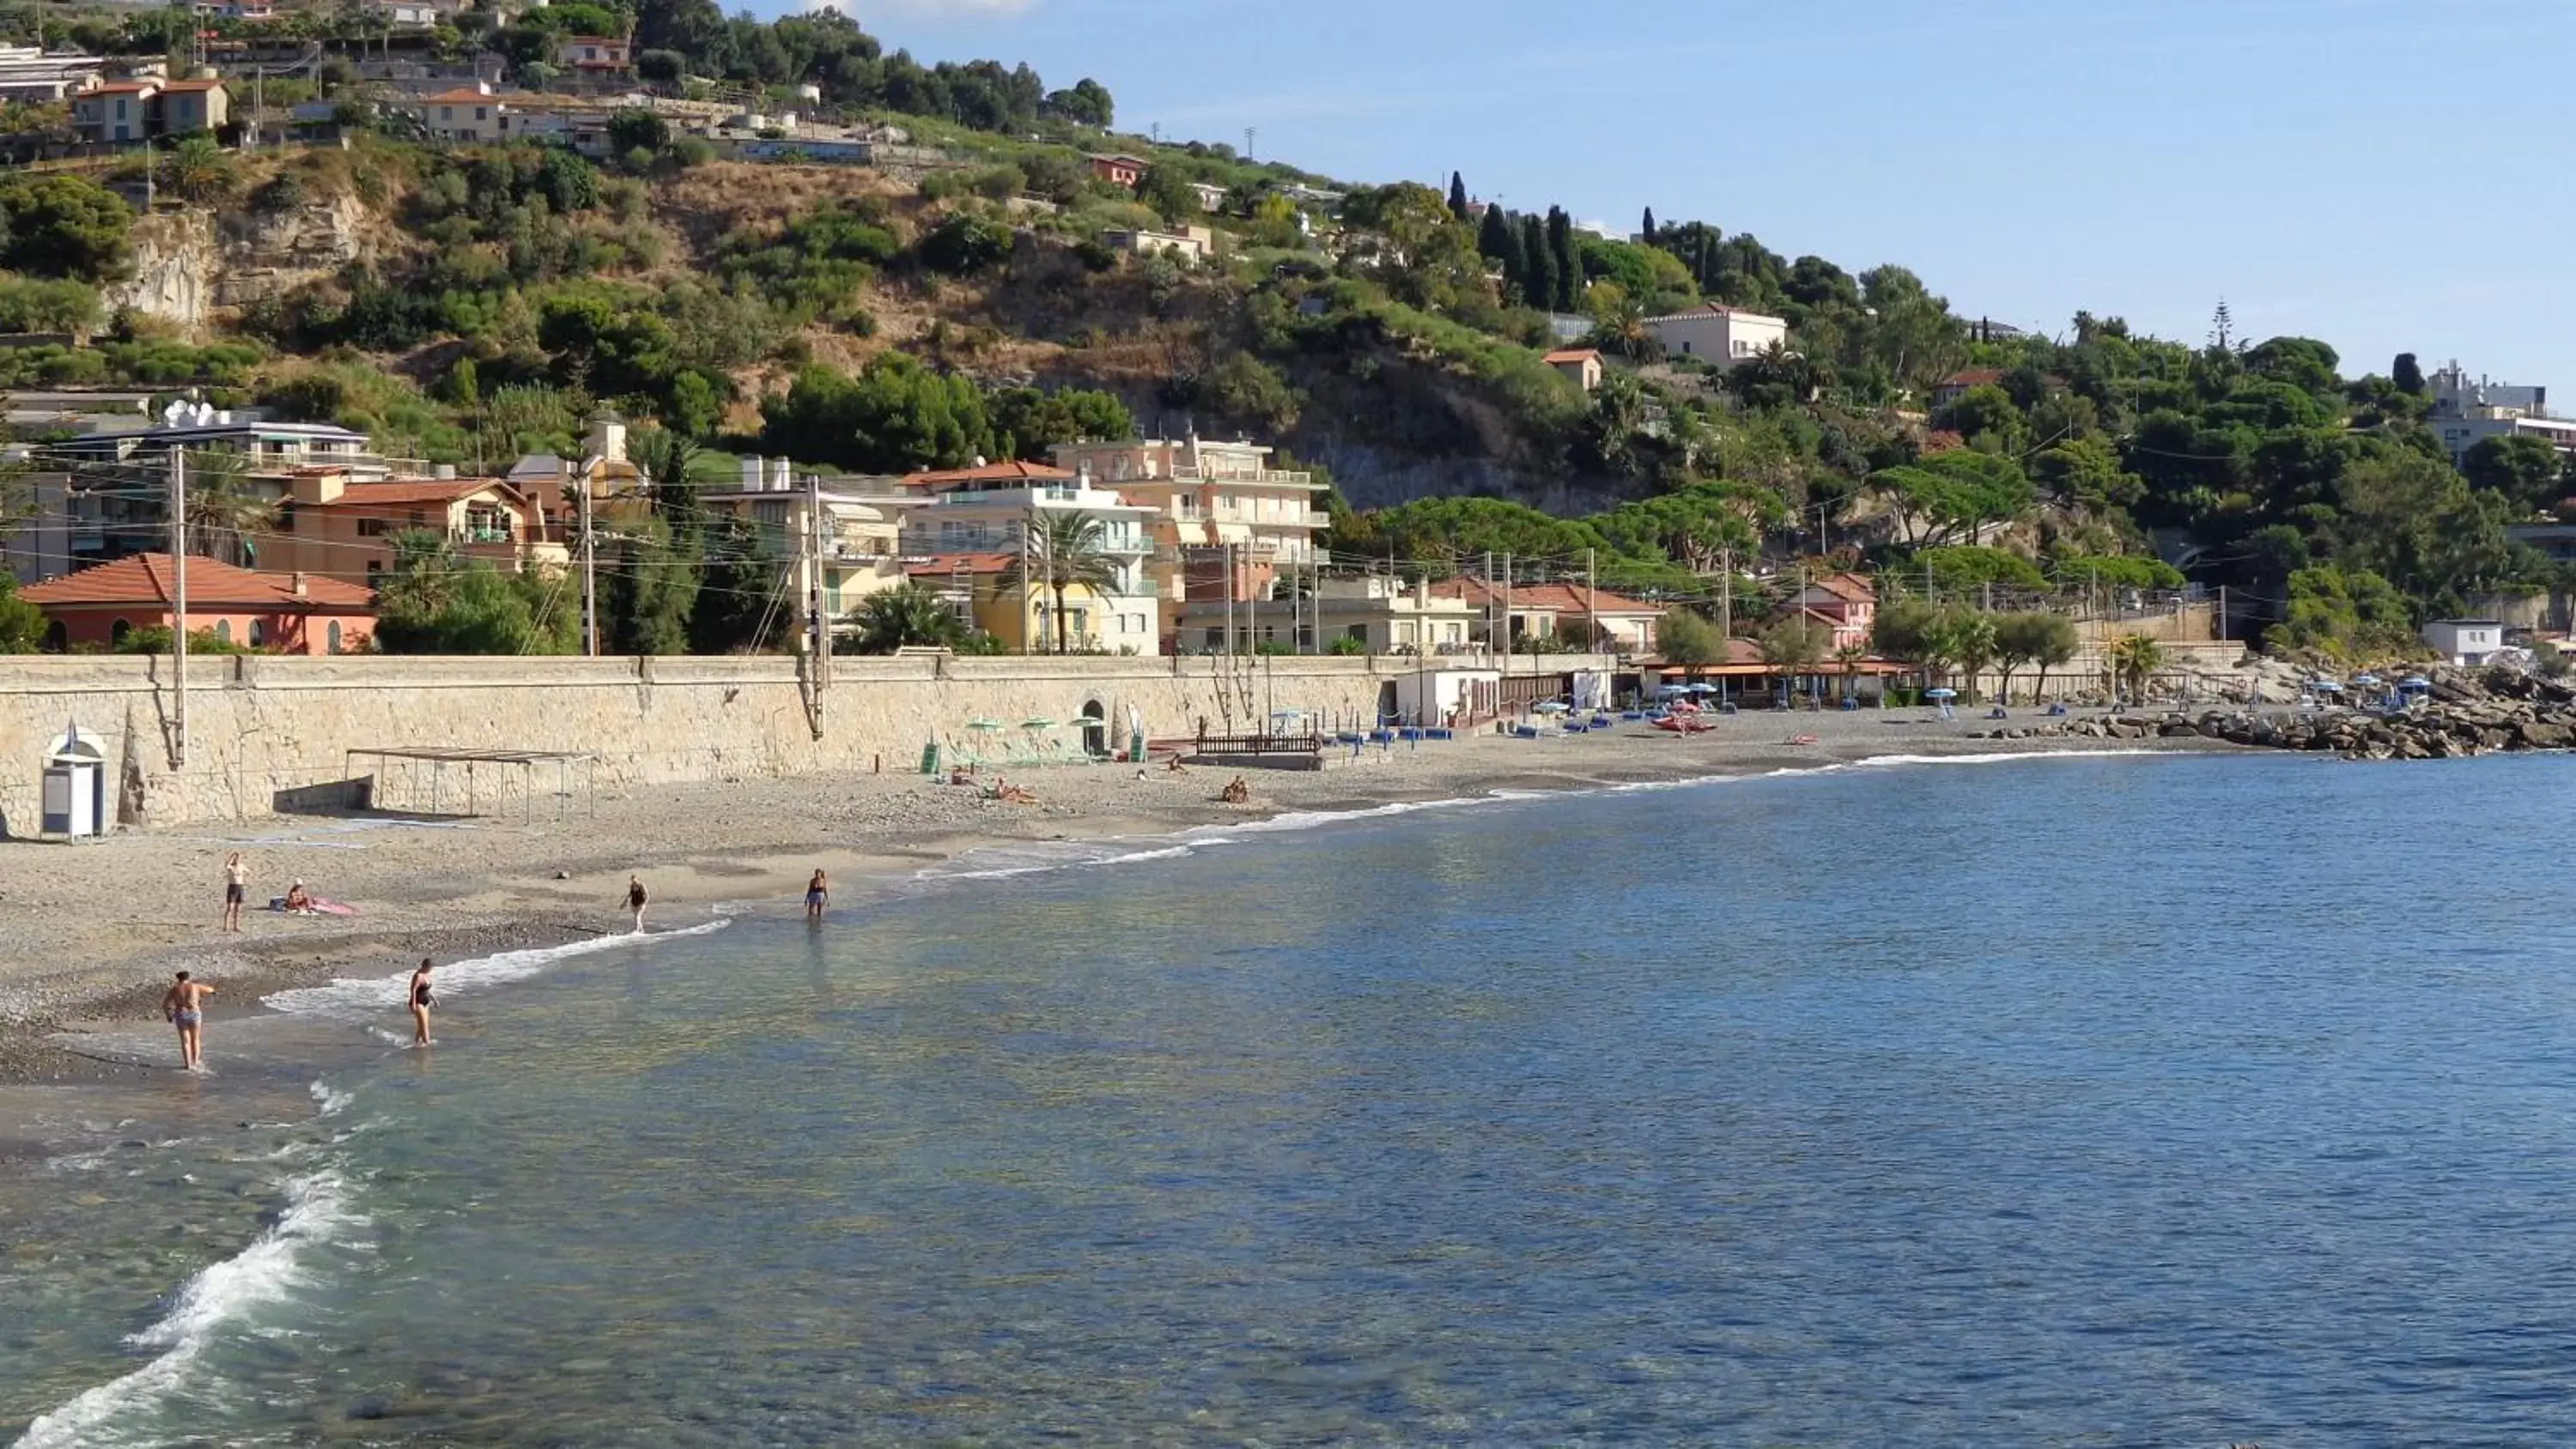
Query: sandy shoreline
point(95, 929)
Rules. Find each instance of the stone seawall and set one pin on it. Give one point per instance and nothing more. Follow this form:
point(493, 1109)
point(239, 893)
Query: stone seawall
point(266, 731)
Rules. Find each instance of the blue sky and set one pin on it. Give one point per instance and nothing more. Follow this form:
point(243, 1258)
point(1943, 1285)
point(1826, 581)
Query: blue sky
point(2381, 174)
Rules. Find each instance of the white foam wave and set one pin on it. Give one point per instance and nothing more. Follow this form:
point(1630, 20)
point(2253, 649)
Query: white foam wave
point(318, 1207)
point(1890, 761)
point(360, 999)
point(333, 1101)
point(1316, 819)
point(995, 862)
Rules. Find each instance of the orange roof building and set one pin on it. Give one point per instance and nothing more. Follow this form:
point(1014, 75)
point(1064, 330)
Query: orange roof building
point(291, 613)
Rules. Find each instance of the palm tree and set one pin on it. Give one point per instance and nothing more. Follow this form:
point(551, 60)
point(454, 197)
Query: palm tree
point(1972, 643)
point(199, 169)
point(908, 616)
point(1062, 551)
point(2135, 658)
point(225, 507)
point(665, 458)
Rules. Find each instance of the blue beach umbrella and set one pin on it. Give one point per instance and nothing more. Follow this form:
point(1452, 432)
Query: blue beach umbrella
point(1940, 694)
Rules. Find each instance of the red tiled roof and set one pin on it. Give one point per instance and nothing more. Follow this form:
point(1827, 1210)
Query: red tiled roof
point(1974, 377)
point(1011, 472)
point(1849, 587)
point(119, 88)
point(193, 85)
point(1570, 354)
point(1543, 598)
point(949, 565)
point(145, 578)
point(462, 93)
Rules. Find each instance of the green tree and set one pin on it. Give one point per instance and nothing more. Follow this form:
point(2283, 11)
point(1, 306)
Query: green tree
point(1953, 497)
point(2032, 637)
point(1565, 266)
point(742, 603)
point(2345, 615)
point(1167, 189)
point(200, 170)
point(1686, 639)
point(2523, 470)
point(1988, 417)
point(22, 625)
point(484, 611)
point(1064, 551)
point(1538, 266)
point(1457, 196)
point(1966, 637)
point(423, 575)
point(648, 588)
point(965, 244)
point(1792, 646)
point(908, 616)
point(2407, 374)
point(895, 417)
point(54, 224)
point(635, 128)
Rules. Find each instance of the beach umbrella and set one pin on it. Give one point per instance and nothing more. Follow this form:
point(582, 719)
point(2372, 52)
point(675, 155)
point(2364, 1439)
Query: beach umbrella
point(984, 724)
point(1037, 724)
point(2365, 679)
point(1940, 694)
point(2325, 686)
point(2415, 681)
point(1551, 706)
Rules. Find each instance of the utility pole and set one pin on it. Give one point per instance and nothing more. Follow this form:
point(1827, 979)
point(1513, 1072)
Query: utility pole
point(814, 585)
point(1489, 603)
point(589, 569)
point(1507, 615)
point(1725, 601)
point(179, 605)
point(1229, 600)
point(1024, 585)
point(1591, 603)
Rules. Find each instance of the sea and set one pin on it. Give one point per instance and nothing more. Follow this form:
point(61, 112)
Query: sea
point(2139, 1100)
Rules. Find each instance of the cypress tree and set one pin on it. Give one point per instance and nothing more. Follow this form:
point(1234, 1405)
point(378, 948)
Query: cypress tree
point(1647, 234)
point(1494, 239)
point(1538, 268)
point(1566, 265)
point(1457, 196)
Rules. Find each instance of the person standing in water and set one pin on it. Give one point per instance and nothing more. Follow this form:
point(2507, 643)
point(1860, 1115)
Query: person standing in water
point(236, 886)
point(184, 1006)
point(421, 1001)
point(636, 898)
point(818, 894)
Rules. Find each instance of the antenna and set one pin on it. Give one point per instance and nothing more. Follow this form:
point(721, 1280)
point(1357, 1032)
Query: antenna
point(1251, 138)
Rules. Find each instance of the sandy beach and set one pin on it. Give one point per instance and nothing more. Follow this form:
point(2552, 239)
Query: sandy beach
point(95, 929)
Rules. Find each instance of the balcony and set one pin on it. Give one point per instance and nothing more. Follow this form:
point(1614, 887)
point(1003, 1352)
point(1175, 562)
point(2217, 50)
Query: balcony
point(1187, 474)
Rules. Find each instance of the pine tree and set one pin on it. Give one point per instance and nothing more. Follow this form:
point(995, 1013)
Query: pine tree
point(1457, 196)
point(1647, 234)
point(2408, 374)
point(1538, 267)
point(1566, 266)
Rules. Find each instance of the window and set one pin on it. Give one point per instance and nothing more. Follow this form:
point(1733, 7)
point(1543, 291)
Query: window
point(334, 637)
point(447, 113)
point(120, 108)
point(117, 631)
point(258, 632)
point(1216, 638)
point(482, 112)
point(371, 528)
point(58, 637)
point(224, 631)
point(375, 567)
point(286, 518)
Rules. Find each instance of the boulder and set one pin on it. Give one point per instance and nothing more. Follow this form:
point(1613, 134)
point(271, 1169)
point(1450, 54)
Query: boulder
point(2543, 736)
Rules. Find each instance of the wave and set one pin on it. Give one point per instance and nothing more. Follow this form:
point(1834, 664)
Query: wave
point(319, 1206)
point(995, 862)
point(363, 998)
point(1886, 761)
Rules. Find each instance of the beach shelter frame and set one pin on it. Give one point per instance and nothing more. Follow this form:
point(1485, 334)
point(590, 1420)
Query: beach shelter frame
point(471, 770)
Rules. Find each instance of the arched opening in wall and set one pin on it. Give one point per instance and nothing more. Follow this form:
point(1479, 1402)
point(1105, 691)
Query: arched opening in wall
point(223, 631)
point(117, 631)
point(1095, 729)
point(332, 637)
point(258, 633)
point(58, 637)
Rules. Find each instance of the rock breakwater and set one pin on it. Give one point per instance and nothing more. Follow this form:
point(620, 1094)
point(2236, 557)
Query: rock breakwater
point(2462, 715)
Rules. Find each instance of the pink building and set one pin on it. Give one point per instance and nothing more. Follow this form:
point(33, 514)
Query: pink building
point(289, 613)
point(1844, 603)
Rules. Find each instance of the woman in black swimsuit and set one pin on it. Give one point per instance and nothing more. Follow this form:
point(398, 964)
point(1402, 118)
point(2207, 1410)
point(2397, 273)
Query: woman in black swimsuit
point(421, 1001)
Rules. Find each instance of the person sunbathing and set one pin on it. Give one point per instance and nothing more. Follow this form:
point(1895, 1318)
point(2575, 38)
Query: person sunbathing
point(298, 899)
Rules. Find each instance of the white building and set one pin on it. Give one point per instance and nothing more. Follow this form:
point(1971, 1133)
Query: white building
point(31, 75)
point(1191, 244)
point(845, 552)
point(2465, 641)
point(1718, 336)
point(1384, 615)
point(2468, 412)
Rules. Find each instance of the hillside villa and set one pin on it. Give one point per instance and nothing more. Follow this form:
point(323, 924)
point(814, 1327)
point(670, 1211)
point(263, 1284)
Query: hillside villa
point(1386, 615)
point(1204, 499)
point(1578, 365)
point(849, 550)
point(290, 612)
point(1718, 336)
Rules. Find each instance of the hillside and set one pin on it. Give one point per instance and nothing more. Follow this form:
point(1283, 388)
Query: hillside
point(466, 304)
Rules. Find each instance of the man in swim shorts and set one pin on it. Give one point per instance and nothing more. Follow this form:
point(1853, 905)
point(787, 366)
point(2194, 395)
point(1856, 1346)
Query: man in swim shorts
point(236, 886)
point(185, 1008)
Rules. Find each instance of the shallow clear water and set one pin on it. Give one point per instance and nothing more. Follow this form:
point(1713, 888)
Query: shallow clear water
point(2091, 1101)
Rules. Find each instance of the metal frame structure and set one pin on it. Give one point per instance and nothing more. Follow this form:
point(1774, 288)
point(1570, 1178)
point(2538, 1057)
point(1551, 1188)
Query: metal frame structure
point(505, 769)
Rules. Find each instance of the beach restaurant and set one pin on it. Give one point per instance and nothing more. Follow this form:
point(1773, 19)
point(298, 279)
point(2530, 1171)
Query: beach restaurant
point(1743, 677)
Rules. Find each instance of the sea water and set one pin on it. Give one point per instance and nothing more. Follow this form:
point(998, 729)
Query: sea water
point(2074, 1101)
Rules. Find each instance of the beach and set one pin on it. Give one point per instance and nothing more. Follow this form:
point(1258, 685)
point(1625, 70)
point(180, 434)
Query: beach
point(97, 928)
